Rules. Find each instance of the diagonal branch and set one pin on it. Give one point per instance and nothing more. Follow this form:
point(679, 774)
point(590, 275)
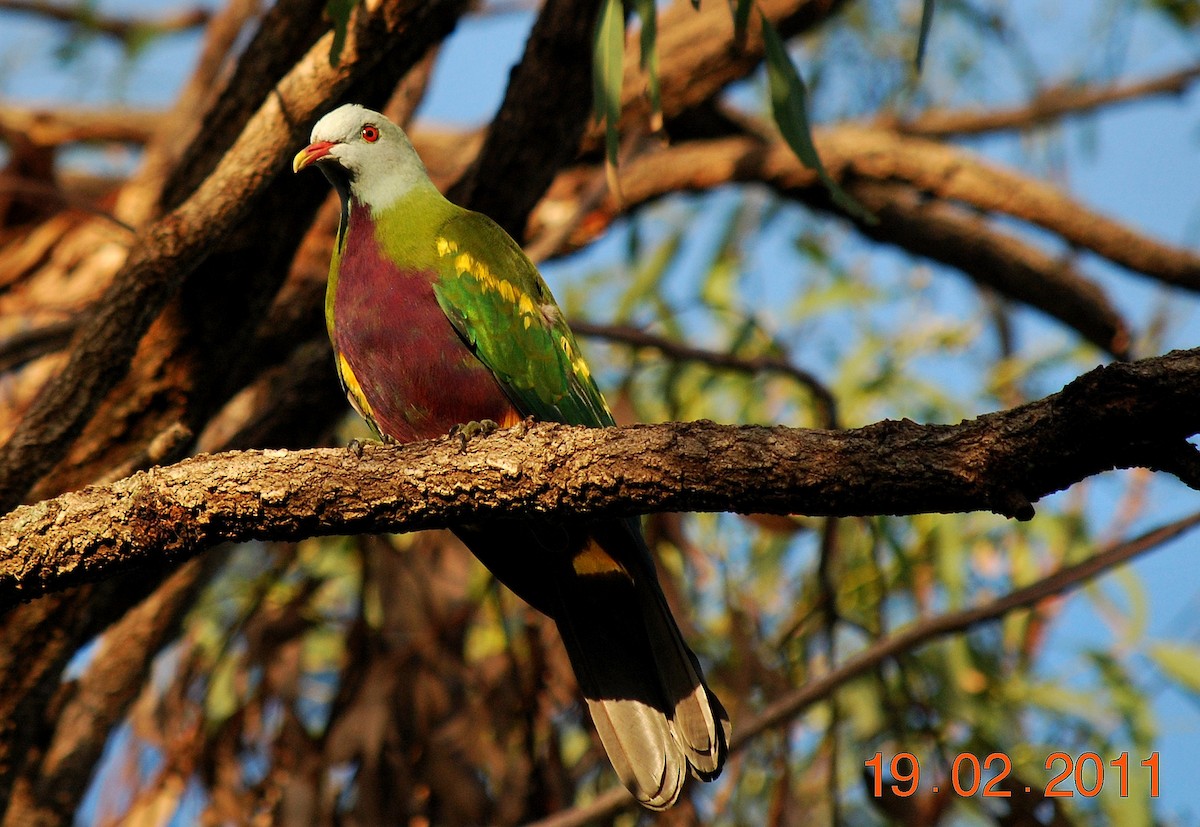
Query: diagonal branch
point(539, 124)
point(172, 247)
point(1049, 105)
point(932, 227)
point(1119, 416)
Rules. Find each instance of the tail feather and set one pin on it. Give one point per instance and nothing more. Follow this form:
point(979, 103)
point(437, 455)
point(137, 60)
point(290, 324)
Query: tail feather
point(653, 712)
point(640, 746)
point(656, 718)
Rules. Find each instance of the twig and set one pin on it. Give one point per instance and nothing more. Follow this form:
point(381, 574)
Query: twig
point(679, 351)
point(125, 29)
point(1049, 105)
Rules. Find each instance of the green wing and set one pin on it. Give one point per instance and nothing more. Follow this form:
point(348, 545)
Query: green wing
point(503, 310)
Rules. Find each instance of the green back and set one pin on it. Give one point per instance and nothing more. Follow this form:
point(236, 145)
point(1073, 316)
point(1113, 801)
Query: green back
point(503, 310)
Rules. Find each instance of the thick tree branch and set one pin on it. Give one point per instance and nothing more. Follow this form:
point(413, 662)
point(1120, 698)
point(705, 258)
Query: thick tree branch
point(1119, 416)
point(537, 130)
point(172, 247)
point(53, 127)
point(932, 227)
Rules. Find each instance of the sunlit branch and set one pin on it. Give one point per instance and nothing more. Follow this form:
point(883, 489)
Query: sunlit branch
point(46, 126)
point(1123, 415)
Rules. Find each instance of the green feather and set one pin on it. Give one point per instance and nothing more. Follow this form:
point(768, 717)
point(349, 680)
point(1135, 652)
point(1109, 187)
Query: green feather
point(499, 304)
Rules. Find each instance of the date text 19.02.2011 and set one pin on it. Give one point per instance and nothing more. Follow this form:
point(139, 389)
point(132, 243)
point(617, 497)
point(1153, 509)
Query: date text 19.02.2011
point(1083, 776)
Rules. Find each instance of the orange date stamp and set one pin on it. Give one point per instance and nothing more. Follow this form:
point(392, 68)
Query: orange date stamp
point(1084, 775)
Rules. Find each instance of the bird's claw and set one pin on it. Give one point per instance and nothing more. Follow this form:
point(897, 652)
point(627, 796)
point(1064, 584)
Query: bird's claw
point(468, 430)
point(355, 447)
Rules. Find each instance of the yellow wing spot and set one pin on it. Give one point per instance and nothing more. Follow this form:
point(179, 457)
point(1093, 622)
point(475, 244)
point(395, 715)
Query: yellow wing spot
point(463, 263)
point(592, 559)
point(581, 368)
point(467, 265)
point(354, 391)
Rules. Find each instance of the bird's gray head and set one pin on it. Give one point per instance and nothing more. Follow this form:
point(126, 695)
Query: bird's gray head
point(364, 155)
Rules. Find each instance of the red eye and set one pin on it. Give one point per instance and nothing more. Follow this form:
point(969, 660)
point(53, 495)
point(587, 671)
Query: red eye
point(370, 133)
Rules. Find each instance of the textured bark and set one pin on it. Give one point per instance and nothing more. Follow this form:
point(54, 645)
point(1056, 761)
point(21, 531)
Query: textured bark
point(1119, 416)
point(185, 366)
point(168, 250)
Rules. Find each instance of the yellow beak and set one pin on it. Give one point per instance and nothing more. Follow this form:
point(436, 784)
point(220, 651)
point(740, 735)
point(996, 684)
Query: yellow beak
point(311, 154)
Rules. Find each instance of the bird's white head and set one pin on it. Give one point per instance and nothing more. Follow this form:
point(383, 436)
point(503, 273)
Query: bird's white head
point(365, 156)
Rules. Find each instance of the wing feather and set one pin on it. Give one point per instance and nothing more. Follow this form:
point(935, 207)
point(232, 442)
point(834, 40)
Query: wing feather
point(501, 307)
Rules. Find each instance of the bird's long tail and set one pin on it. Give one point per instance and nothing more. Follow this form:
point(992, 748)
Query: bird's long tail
point(655, 716)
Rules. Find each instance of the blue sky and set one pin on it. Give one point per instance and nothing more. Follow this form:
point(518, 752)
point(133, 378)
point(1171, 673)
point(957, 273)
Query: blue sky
point(1139, 162)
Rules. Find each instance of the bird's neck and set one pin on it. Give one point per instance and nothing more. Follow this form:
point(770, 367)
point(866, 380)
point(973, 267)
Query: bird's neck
point(382, 193)
point(404, 226)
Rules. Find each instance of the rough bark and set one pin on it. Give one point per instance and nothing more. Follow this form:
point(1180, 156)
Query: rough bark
point(1120, 416)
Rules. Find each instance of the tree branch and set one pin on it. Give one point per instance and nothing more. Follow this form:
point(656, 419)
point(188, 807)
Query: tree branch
point(1119, 416)
point(931, 227)
point(539, 124)
point(681, 352)
point(126, 29)
point(172, 247)
point(54, 127)
point(1049, 105)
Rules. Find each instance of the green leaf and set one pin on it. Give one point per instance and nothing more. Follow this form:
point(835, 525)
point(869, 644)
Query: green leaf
point(648, 14)
point(741, 20)
point(1180, 662)
point(339, 12)
point(789, 104)
point(923, 36)
point(608, 57)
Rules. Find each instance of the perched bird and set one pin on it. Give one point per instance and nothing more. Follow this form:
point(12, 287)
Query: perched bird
point(439, 321)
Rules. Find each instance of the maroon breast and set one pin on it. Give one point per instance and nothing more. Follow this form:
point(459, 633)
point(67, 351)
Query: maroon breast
point(416, 373)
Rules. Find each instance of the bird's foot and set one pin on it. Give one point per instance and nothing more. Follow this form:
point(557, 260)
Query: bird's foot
point(355, 447)
point(468, 430)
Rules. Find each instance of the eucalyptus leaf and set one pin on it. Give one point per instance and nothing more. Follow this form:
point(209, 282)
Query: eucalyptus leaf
point(648, 14)
point(1180, 662)
point(789, 104)
point(923, 36)
point(339, 12)
point(608, 56)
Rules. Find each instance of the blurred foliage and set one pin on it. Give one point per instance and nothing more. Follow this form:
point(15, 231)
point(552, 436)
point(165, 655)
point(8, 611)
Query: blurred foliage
point(393, 671)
